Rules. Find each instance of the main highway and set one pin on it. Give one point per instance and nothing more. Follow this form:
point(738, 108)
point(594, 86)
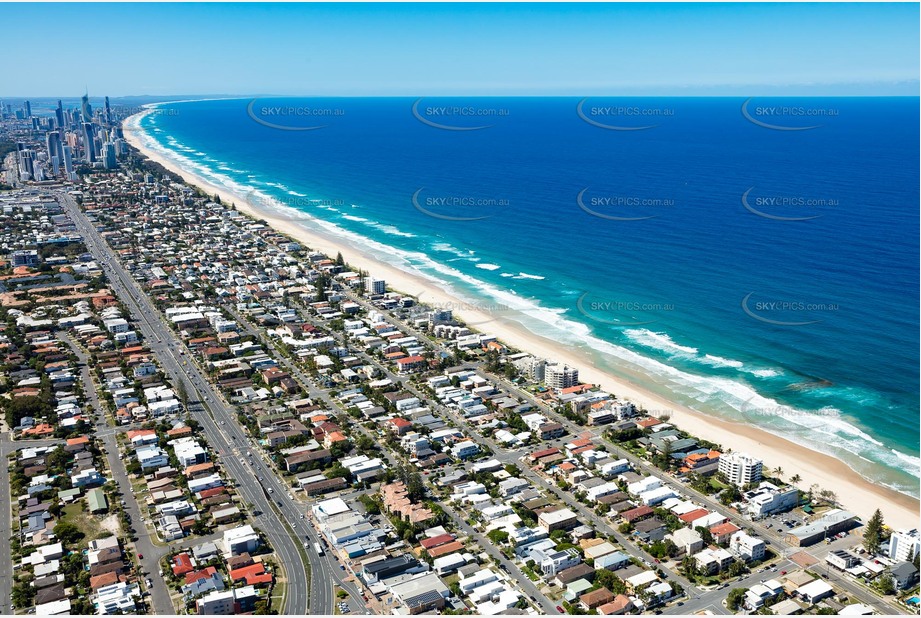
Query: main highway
point(274, 513)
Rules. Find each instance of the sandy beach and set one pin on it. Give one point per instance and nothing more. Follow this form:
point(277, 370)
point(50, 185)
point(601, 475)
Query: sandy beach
point(854, 492)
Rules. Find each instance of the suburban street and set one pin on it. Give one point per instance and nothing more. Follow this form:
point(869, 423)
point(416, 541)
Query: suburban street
point(159, 593)
point(277, 521)
point(7, 446)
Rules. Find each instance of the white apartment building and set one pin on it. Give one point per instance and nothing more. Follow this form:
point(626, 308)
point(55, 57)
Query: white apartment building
point(740, 469)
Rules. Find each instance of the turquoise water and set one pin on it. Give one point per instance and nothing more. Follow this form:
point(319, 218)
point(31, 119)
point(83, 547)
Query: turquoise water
point(755, 274)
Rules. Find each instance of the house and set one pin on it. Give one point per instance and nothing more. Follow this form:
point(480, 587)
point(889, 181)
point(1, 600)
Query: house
point(618, 607)
point(723, 532)
point(688, 540)
point(410, 364)
point(596, 598)
point(96, 501)
point(580, 571)
point(182, 564)
point(637, 514)
point(562, 519)
point(465, 449)
point(551, 561)
point(904, 575)
point(650, 530)
point(252, 575)
point(815, 591)
point(117, 598)
point(241, 540)
point(151, 457)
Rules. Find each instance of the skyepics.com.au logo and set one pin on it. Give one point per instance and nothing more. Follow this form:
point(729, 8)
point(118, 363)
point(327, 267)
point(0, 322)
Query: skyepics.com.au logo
point(290, 207)
point(456, 312)
point(287, 117)
point(786, 207)
point(457, 206)
point(124, 111)
point(784, 117)
point(617, 116)
point(622, 206)
point(457, 117)
point(757, 408)
point(785, 311)
point(622, 311)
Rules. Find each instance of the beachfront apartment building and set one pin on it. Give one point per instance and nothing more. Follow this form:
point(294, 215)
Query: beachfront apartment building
point(532, 368)
point(768, 499)
point(374, 285)
point(560, 376)
point(904, 545)
point(740, 468)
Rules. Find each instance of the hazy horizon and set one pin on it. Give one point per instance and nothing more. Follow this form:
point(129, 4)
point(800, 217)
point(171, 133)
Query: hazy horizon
point(627, 49)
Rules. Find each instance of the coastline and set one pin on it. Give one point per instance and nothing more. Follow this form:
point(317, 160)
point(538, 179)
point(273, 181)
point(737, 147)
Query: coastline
point(854, 492)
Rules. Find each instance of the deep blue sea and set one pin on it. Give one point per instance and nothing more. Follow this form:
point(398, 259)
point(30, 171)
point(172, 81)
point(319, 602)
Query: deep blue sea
point(713, 250)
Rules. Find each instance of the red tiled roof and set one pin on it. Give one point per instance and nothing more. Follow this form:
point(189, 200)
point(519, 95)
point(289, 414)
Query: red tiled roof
point(182, 564)
point(197, 575)
point(435, 541)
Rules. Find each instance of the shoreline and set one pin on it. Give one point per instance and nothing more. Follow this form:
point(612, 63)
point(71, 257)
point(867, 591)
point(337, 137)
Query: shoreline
point(854, 492)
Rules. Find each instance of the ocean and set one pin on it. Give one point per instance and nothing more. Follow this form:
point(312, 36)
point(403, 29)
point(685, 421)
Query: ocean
point(756, 260)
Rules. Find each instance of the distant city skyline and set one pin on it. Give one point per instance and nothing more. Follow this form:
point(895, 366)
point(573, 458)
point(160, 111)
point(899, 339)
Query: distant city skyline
point(473, 49)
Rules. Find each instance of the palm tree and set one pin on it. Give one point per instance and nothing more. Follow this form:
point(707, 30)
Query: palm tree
point(796, 478)
point(778, 472)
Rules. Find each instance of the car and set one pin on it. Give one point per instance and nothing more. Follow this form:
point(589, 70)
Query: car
point(560, 609)
point(783, 572)
point(342, 567)
point(140, 556)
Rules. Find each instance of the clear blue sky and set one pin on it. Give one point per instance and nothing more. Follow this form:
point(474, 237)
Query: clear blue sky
point(431, 49)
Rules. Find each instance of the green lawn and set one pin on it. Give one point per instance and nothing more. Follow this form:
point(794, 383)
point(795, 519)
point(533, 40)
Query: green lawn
point(85, 521)
point(279, 590)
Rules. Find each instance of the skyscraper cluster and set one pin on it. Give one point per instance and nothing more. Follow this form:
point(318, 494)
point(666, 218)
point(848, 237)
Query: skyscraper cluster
point(55, 143)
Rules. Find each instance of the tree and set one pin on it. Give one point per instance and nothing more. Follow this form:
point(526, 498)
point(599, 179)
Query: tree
point(689, 566)
point(607, 579)
point(778, 472)
point(872, 534)
point(734, 598)
point(22, 594)
point(498, 537)
point(67, 533)
point(796, 478)
point(183, 393)
point(885, 584)
point(705, 534)
point(736, 569)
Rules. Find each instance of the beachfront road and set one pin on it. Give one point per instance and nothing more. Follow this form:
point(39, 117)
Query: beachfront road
point(278, 519)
